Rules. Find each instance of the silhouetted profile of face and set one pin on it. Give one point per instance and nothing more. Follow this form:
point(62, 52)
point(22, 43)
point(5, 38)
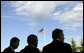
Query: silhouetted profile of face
point(58, 34)
point(32, 39)
point(14, 42)
point(62, 37)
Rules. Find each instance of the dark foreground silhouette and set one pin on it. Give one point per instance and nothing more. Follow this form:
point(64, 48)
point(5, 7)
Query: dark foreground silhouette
point(57, 45)
point(32, 40)
point(14, 43)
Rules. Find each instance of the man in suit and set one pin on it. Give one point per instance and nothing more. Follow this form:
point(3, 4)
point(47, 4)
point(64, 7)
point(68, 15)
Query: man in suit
point(58, 44)
point(14, 43)
point(32, 47)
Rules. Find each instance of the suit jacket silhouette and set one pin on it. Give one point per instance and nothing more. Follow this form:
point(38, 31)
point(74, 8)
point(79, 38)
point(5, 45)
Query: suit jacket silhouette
point(9, 50)
point(30, 49)
point(57, 46)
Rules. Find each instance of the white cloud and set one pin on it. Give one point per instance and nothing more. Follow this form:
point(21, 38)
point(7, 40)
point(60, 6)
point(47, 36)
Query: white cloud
point(57, 13)
point(26, 20)
point(69, 28)
point(37, 9)
point(32, 24)
point(41, 10)
point(79, 7)
point(71, 19)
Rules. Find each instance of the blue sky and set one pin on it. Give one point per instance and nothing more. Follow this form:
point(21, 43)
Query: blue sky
point(20, 19)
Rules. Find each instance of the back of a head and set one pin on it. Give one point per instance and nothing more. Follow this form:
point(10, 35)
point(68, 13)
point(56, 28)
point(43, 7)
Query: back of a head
point(56, 33)
point(31, 38)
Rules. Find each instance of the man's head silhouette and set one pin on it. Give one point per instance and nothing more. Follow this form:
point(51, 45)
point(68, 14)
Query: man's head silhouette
point(32, 40)
point(14, 42)
point(58, 34)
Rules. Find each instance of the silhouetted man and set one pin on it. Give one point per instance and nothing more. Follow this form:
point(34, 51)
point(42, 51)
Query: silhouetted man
point(14, 43)
point(32, 47)
point(57, 45)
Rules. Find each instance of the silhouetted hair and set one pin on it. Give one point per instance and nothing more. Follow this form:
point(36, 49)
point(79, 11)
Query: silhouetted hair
point(13, 40)
point(56, 33)
point(31, 38)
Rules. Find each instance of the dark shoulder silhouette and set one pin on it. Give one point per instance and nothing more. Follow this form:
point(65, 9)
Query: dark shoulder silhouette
point(30, 49)
point(9, 49)
point(57, 46)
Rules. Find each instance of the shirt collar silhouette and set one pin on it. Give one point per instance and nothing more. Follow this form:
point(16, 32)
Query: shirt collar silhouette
point(12, 48)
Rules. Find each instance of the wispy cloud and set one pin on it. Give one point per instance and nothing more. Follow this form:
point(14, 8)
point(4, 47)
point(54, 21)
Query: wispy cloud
point(37, 9)
point(32, 24)
point(71, 19)
point(6, 16)
point(71, 15)
point(9, 17)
